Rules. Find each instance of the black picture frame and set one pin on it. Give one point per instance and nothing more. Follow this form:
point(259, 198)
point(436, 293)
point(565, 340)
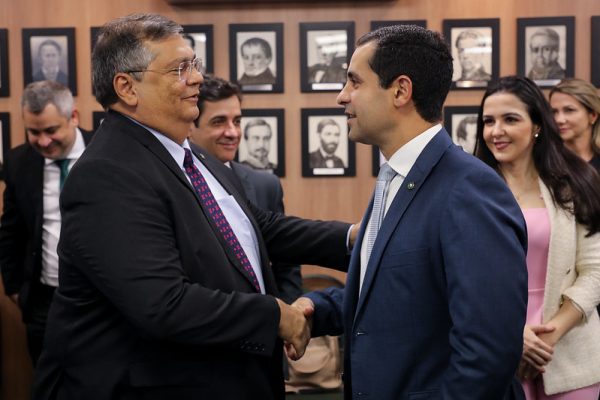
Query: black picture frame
point(5, 139)
point(253, 37)
point(533, 33)
point(595, 78)
point(4, 82)
point(377, 159)
point(97, 118)
point(343, 162)
point(202, 42)
point(60, 44)
point(475, 47)
point(381, 23)
point(256, 122)
point(461, 124)
point(325, 51)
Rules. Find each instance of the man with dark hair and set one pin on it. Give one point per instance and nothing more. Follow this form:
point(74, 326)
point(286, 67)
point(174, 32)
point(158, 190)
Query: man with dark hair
point(329, 139)
point(256, 56)
point(165, 289)
point(217, 130)
point(31, 221)
point(466, 133)
point(472, 49)
point(258, 135)
point(435, 299)
point(49, 54)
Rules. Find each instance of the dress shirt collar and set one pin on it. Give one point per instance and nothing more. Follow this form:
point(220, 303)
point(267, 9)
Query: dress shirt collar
point(405, 157)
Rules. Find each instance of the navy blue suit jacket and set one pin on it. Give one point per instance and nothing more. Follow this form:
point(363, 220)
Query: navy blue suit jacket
point(443, 303)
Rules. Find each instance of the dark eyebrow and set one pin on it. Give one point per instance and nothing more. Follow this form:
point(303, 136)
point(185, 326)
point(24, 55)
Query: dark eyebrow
point(353, 76)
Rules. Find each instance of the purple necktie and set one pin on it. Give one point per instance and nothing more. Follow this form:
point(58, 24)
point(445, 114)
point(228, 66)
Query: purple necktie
point(210, 204)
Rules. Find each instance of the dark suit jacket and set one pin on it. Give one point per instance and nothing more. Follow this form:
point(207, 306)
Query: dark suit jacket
point(152, 302)
point(21, 222)
point(316, 160)
point(264, 190)
point(61, 77)
point(443, 303)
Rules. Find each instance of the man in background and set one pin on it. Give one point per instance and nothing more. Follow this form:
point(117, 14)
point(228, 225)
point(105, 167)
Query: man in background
point(329, 139)
point(258, 135)
point(49, 56)
point(472, 49)
point(30, 224)
point(544, 46)
point(256, 56)
point(218, 131)
point(332, 65)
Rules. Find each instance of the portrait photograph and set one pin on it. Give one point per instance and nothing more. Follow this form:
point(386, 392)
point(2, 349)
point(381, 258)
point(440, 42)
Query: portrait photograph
point(546, 48)
point(49, 54)
point(256, 57)
point(461, 124)
point(4, 82)
point(200, 39)
point(475, 51)
point(4, 139)
point(262, 144)
point(380, 24)
point(326, 149)
point(325, 51)
point(596, 51)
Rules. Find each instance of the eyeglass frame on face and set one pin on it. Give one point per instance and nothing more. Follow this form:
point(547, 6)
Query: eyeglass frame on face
point(196, 64)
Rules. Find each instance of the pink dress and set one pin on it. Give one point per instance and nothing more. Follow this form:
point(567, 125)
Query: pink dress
point(538, 242)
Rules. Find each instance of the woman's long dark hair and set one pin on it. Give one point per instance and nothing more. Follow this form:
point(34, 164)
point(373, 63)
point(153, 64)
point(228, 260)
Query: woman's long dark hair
point(574, 185)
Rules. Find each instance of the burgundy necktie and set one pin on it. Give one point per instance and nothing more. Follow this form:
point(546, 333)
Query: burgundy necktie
point(210, 204)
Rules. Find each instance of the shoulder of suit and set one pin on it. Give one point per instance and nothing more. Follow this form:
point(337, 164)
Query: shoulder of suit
point(256, 175)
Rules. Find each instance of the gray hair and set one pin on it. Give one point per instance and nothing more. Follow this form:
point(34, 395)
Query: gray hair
point(121, 48)
point(38, 95)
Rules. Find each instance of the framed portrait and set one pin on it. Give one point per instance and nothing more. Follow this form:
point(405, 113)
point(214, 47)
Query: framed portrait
point(97, 118)
point(256, 57)
point(546, 49)
point(461, 124)
point(380, 24)
point(325, 51)
point(596, 51)
point(5, 139)
point(475, 46)
point(377, 160)
point(200, 38)
point(4, 82)
point(262, 145)
point(326, 149)
point(49, 54)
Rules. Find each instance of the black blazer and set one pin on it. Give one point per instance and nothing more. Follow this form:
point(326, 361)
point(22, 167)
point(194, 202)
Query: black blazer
point(152, 304)
point(21, 222)
point(264, 190)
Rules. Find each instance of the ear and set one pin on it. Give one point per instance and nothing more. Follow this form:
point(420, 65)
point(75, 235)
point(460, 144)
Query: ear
point(124, 86)
point(75, 117)
point(593, 117)
point(402, 89)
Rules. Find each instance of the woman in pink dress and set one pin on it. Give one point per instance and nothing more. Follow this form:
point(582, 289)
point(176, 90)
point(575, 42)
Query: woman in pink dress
point(559, 195)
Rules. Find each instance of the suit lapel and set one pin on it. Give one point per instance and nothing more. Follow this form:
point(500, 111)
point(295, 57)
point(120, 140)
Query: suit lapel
point(245, 181)
point(411, 185)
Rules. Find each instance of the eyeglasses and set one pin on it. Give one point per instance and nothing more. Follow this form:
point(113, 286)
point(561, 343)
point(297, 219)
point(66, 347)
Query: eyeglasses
point(184, 71)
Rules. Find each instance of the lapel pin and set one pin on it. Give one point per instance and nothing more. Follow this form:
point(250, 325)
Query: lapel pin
point(410, 186)
point(201, 155)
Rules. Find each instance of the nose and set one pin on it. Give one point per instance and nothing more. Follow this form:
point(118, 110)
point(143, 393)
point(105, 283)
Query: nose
point(195, 78)
point(496, 130)
point(559, 117)
point(343, 97)
point(44, 141)
point(231, 130)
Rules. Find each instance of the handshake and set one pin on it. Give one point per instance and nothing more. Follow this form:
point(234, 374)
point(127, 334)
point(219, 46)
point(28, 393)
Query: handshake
point(295, 325)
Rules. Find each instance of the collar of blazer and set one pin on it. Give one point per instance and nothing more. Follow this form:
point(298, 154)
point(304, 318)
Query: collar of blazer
point(427, 160)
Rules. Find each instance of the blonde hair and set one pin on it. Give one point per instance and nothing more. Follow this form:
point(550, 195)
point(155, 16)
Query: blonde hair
point(586, 94)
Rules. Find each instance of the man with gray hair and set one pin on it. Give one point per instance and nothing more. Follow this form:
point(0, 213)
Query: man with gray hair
point(31, 221)
point(165, 288)
point(544, 46)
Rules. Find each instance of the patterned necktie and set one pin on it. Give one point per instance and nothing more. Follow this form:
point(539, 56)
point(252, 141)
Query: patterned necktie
point(385, 176)
point(210, 204)
point(64, 170)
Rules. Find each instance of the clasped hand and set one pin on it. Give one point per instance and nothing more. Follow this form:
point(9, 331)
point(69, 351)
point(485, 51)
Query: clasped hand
point(537, 350)
point(295, 325)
